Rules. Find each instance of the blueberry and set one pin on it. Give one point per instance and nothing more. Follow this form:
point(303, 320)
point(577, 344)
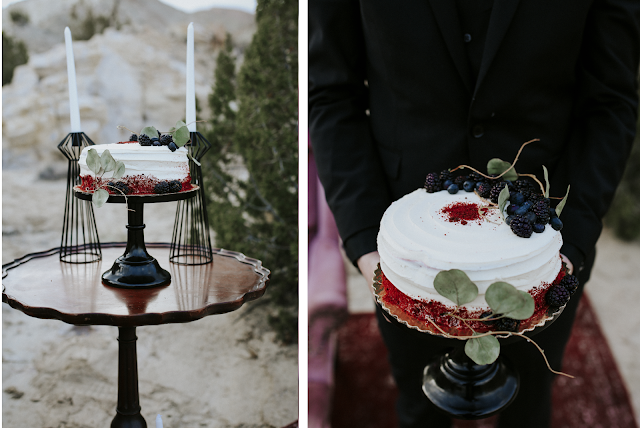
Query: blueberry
point(527, 204)
point(511, 209)
point(517, 198)
point(531, 217)
point(453, 189)
point(508, 220)
point(156, 143)
point(478, 184)
point(468, 186)
point(446, 184)
point(172, 146)
point(552, 212)
point(556, 223)
point(521, 210)
point(538, 228)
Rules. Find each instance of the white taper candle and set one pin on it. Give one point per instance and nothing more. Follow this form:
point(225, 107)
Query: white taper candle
point(158, 421)
point(191, 90)
point(74, 109)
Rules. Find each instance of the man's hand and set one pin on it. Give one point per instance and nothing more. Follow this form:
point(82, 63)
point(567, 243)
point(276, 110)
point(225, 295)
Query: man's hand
point(368, 264)
point(564, 259)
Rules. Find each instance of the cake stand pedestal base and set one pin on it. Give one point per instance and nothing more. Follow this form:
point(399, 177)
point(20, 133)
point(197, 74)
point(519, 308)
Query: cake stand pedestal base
point(128, 409)
point(466, 390)
point(136, 268)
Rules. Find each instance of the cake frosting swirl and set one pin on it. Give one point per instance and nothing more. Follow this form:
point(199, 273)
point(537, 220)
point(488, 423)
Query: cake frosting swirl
point(417, 240)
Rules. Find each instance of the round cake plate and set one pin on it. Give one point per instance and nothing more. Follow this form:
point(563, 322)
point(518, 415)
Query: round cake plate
point(136, 268)
point(452, 381)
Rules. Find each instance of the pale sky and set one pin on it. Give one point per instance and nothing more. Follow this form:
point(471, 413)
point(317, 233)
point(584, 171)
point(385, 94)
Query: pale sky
point(194, 5)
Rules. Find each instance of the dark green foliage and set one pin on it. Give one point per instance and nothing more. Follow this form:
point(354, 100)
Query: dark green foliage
point(85, 27)
point(625, 208)
point(14, 53)
point(19, 17)
point(254, 126)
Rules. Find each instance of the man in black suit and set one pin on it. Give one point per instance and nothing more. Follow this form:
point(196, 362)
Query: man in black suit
point(400, 89)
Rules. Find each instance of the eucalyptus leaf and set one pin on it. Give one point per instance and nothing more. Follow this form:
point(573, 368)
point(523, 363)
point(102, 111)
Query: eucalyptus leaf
point(546, 180)
point(100, 171)
point(504, 298)
point(560, 206)
point(150, 131)
point(93, 160)
point(180, 124)
point(119, 170)
point(107, 161)
point(171, 131)
point(456, 286)
point(181, 136)
point(526, 311)
point(503, 197)
point(498, 166)
point(482, 350)
point(100, 196)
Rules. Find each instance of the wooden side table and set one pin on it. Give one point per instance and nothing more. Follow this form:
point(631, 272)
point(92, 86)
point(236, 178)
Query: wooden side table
point(42, 286)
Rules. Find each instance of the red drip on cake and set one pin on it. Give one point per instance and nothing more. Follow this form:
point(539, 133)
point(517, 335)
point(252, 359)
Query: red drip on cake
point(426, 311)
point(138, 184)
point(462, 212)
point(127, 142)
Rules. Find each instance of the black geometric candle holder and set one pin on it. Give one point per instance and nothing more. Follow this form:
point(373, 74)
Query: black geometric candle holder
point(80, 242)
point(191, 240)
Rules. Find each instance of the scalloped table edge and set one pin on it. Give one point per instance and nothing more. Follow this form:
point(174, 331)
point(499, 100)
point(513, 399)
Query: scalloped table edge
point(139, 319)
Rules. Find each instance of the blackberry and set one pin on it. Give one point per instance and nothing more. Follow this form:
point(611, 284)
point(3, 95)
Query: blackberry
point(459, 181)
point(495, 191)
point(506, 324)
point(541, 210)
point(133, 137)
point(432, 182)
point(557, 296)
point(484, 190)
point(474, 176)
point(445, 175)
point(144, 140)
point(175, 186)
point(166, 139)
point(172, 146)
point(487, 315)
point(118, 188)
point(570, 283)
point(162, 187)
point(521, 227)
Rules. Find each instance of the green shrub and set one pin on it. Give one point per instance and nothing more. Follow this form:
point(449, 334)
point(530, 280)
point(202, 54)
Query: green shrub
point(14, 53)
point(19, 17)
point(251, 171)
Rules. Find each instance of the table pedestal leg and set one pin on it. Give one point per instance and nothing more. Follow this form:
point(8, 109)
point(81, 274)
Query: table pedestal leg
point(128, 410)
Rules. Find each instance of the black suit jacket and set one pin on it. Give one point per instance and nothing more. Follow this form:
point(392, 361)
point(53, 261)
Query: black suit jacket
point(392, 97)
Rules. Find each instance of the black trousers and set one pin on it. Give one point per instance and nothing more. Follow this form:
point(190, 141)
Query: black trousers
point(410, 351)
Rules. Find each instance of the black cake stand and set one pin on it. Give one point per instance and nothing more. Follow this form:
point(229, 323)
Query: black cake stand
point(452, 381)
point(136, 268)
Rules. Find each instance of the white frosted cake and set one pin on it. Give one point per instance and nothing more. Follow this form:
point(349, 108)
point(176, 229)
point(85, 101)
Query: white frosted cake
point(424, 233)
point(145, 167)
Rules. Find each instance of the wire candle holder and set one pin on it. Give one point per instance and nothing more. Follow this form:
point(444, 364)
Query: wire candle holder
point(80, 242)
point(191, 239)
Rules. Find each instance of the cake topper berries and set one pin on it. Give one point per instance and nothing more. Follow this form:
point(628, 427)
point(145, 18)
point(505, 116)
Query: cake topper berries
point(528, 209)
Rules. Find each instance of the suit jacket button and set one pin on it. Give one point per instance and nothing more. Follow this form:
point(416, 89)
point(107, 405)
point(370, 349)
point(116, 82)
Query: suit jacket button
point(478, 131)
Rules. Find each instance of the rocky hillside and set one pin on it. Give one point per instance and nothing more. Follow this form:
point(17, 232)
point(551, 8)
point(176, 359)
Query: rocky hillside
point(130, 72)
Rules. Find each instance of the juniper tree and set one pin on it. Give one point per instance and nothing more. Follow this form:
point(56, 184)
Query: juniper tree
point(251, 170)
point(14, 53)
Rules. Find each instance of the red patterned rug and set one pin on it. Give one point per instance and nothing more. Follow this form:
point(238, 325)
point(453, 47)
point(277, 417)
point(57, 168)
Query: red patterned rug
point(365, 393)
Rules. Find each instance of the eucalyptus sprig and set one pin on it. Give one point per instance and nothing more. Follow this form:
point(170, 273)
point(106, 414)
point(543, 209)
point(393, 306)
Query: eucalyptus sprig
point(504, 300)
point(99, 164)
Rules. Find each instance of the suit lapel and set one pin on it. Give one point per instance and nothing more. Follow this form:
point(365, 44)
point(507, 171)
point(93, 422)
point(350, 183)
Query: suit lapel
point(501, 16)
point(447, 17)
